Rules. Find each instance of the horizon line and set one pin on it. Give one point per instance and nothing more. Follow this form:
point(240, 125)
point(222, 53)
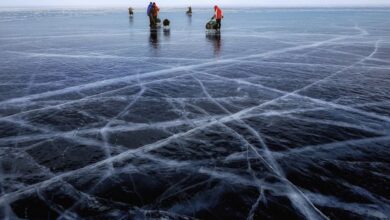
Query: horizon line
point(207, 6)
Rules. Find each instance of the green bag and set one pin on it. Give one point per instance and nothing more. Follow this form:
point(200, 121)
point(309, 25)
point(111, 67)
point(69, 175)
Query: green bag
point(211, 25)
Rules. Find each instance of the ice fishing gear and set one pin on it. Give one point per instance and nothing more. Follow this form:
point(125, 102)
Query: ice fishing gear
point(212, 27)
point(166, 24)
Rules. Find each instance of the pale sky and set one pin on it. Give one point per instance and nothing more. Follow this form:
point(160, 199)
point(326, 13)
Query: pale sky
point(182, 3)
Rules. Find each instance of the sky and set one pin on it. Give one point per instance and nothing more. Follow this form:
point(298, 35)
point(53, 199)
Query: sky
point(200, 3)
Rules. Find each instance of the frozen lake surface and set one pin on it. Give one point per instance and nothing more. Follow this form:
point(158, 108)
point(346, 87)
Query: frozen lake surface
point(285, 115)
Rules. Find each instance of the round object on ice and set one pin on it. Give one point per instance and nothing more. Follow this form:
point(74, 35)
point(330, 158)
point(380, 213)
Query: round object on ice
point(166, 22)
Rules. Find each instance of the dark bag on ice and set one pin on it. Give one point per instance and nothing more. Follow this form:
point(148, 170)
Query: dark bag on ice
point(211, 25)
point(166, 22)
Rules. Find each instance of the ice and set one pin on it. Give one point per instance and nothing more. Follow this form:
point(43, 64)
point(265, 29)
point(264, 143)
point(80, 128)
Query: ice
point(285, 115)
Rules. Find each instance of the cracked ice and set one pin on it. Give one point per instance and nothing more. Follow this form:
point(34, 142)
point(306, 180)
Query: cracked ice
point(286, 115)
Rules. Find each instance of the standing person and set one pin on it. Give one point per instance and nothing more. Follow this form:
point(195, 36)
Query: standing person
point(149, 8)
point(218, 15)
point(189, 12)
point(131, 12)
point(155, 11)
point(149, 13)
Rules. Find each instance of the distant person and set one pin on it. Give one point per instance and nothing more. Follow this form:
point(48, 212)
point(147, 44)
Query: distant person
point(149, 8)
point(218, 16)
point(149, 13)
point(155, 11)
point(189, 12)
point(131, 12)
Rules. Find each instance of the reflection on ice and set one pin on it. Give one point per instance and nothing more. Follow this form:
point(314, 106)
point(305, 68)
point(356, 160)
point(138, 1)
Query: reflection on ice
point(284, 115)
point(215, 40)
point(154, 38)
point(131, 20)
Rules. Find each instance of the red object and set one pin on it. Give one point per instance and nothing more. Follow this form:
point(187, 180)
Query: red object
point(218, 13)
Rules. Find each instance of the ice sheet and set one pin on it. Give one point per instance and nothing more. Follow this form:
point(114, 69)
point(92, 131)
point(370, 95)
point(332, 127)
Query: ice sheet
point(285, 115)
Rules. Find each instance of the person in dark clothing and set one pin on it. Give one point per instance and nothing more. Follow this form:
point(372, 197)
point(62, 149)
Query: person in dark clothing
point(189, 12)
point(131, 12)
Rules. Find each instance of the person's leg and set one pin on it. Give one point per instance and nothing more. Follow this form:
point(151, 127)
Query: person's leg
point(218, 24)
point(153, 21)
